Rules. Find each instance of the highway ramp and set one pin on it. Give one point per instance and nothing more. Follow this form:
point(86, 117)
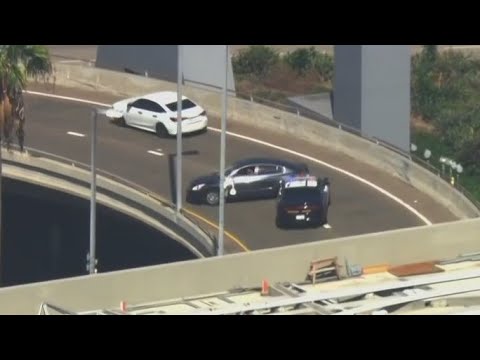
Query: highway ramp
point(63, 127)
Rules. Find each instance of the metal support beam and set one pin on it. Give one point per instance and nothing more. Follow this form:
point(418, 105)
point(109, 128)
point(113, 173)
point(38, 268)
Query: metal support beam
point(93, 194)
point(221, 207)
point(178, 175)
point(316, 308)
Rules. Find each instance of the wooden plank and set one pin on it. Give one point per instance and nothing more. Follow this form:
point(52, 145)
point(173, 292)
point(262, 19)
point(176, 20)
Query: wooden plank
point(413, 269)
point(375, 269)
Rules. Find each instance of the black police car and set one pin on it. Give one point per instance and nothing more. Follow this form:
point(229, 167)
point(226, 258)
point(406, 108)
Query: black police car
point(303, 201)
point(251, 178)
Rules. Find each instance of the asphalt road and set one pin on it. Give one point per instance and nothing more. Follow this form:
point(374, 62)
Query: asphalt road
point(356, 208)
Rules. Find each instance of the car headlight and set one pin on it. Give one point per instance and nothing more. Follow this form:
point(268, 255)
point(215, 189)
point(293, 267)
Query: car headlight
point(198, 187)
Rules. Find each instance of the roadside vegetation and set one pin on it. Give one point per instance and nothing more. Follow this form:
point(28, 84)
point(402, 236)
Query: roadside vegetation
point(17, 64)
point(446, 110)
point(445, 90)
point(260, 71)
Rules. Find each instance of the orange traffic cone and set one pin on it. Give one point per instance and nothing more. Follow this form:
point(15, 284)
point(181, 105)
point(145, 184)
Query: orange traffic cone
point(123, 306)
point(265, 288)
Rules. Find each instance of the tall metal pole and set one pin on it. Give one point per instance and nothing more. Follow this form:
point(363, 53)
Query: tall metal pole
point(93, 198)
point(1, 213)
point(178, 176)
point(221, 215)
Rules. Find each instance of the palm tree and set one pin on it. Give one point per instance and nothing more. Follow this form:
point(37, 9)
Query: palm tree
point(17, 64)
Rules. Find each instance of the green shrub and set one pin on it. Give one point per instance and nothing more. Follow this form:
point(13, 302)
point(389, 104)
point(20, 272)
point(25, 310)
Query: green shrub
point(324, 65)
point(469, 157)
point(257, 60)
point(302, 60)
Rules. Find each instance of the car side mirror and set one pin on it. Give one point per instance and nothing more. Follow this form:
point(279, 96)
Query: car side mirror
point(129, 106)
point(229, 185)
point(229, 181)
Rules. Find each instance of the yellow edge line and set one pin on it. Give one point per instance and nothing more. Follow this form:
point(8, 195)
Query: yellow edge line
point(231, 236)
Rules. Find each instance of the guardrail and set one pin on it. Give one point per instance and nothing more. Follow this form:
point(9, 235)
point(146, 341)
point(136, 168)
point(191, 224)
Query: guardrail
point(301, 111)
point(446, 178)
point(255, 111)
point(77, 164)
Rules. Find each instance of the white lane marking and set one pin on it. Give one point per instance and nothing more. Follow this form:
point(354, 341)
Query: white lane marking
point(327, 226)
point(155, 153)
point(73, 133)
point(306, 157)
point(67, 98)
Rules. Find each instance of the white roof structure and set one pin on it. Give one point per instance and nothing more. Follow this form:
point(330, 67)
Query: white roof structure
point(449, 287)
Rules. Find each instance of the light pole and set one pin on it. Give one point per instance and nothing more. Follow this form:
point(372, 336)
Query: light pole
point(221, 207)
point(443, 161)
point(459, 171)
point(427, 154)
point(178, 175)
point(453, 165)
point(91, 257)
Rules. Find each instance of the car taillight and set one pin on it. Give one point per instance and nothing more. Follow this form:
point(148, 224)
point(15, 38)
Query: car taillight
point(174, 119)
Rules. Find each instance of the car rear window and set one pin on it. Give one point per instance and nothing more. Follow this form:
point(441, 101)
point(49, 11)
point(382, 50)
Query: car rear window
point(294, 195)
point(186, 104)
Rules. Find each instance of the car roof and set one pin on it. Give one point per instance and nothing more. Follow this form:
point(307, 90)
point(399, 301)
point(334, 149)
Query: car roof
point(162, 97)
point(265, 160)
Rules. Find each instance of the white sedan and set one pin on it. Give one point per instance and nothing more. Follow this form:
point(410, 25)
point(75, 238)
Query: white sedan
point(157, 112)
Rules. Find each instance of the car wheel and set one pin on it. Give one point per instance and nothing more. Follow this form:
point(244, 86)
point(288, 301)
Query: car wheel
point(324, 218)
point(121, 122)
point(212, 197)
point(161, 130)
point(278, 223)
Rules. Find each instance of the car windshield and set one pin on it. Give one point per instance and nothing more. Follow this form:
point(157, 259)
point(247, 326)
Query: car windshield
point(186, 104)
point(228, 171)
point(300, 195)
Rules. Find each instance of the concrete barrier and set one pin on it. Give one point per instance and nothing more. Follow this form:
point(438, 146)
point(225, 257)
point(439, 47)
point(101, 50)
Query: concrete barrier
point(212, 275)
point(123, 197)
point(281, 122)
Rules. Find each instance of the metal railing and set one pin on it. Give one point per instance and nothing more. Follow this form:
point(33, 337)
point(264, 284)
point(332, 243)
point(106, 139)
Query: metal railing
point(77, 164)
point(446, 177)
point(301, 111)
point(310, 114)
